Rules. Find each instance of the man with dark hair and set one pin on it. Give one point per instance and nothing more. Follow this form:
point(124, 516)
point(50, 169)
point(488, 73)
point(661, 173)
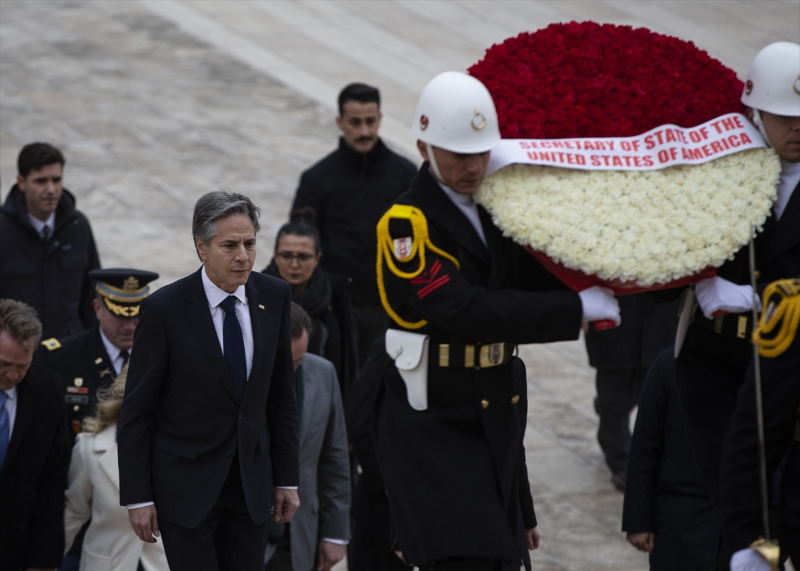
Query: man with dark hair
point(210, 415)
point(46, 246)
point(34, 452)
point(321, 525)
point(349, 190)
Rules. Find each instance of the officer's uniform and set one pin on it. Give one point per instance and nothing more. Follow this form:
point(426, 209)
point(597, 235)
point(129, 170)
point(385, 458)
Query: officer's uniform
point(82, 360)
point(779, 342)
point(716, 352)
point(452, 471)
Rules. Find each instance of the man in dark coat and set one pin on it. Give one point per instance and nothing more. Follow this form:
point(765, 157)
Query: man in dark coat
point(34, 452)
point(90, 360)
point(717, 351)
point(741, 483)
point(447, 416)
point(349, 190)
point(46, 246)
point(667, 510)
point(209, 418)
point(622, 356)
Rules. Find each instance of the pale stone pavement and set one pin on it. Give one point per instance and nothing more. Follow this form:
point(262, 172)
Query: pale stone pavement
point(156, 102)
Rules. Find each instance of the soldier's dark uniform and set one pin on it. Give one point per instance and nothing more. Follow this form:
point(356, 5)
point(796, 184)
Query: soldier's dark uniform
point(81, 360)
point(741, 497)
point(717, 352)
point(452, 471)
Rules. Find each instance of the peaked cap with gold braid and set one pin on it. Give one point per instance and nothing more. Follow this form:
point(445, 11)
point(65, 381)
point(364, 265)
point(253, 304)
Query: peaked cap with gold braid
point(405, 250)
point(779, 321)
point(122, 289)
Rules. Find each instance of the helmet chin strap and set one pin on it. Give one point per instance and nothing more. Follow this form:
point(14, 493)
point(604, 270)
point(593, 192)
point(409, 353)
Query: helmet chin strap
point(432, 161)
point(760, 124)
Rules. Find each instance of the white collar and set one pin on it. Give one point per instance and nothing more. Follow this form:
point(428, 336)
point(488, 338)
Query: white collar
point(38, 225)
point(215, 295)
point(112, 350)
point(457, 197)
point(11, 393)
point(790, 176)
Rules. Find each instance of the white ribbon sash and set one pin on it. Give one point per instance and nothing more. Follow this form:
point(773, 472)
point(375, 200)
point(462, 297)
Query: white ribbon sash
point(659, 148)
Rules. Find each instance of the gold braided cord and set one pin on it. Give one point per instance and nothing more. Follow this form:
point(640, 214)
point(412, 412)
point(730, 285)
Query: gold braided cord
point(419, 242)
point(787, 313)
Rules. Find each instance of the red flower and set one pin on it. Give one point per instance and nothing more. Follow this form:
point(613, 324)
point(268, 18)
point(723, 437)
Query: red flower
point(583, 79)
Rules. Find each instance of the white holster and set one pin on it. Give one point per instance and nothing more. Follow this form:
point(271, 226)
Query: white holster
point(410, 354)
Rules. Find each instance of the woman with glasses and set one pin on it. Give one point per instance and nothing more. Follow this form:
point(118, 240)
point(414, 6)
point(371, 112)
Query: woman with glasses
point(324, 296)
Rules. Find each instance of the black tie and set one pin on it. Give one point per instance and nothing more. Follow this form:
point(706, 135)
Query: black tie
point(46, 233)
point(125, 356)
point(233, 345)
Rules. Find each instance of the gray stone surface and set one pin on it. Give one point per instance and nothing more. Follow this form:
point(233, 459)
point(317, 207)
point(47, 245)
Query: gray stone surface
point(156, 102)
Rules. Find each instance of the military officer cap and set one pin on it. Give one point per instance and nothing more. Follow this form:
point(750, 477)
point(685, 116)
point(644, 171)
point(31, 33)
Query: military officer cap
point(123, 289)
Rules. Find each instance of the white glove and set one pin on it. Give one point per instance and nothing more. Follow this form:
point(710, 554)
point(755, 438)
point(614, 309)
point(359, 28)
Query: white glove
point(748, 560)
point(718, 294)
point(599, 303)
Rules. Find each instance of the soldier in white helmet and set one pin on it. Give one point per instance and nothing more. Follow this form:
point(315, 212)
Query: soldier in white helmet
point(451, 410)
point(717, 350)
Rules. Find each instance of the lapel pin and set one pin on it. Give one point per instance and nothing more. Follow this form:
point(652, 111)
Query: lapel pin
point(260, 306)
point(98, 360)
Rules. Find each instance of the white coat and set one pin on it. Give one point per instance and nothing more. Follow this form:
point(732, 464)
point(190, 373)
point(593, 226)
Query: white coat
point(110, 543)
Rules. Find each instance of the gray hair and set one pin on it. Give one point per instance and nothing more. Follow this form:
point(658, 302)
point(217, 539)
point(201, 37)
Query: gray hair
point(219, 204)
point(19, 320)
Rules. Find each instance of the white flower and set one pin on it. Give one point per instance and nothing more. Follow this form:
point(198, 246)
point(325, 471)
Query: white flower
point(651, 227)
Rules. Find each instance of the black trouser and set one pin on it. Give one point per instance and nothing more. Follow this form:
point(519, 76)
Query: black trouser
point(472, 564)
point(373, 552)
point(617, 393)
point(228, 539)
point(281, 559)
point(369, 322)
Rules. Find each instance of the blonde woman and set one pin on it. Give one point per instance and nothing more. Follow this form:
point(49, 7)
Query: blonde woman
point(93, 492)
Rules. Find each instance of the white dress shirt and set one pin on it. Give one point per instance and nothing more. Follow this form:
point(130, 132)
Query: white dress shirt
point(790, 176)
point(11, 409)
point(215, 296)
point(113, 353)
point(466, 204)
point(38, 225)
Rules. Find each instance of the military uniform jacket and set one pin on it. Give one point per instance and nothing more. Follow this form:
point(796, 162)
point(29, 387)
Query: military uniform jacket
point(52, 277)
point(452, 472)
point(84, 366)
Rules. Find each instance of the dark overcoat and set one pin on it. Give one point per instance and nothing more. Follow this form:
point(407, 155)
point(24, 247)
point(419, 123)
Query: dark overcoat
point(452, 471)
point(51, 276)
point(182, 421)
point(34, 476)
point(663, 490)
point(712, 365)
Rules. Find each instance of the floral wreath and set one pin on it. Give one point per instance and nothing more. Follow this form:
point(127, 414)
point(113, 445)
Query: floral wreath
point(629, 230)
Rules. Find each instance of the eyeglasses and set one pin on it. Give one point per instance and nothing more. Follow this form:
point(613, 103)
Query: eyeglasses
point(302, 257)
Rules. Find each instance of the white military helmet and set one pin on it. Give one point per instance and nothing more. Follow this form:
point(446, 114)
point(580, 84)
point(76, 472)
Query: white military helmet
point(455, 112)
point(773, 83)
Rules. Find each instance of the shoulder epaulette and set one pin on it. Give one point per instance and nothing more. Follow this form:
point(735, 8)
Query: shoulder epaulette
point(52, 344)
point(404, 249)
point(777, 327)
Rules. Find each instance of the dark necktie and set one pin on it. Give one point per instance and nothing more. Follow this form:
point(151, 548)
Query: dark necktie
point(233, 346)
point(125, 356)
point(4, 428)
point(46, 233)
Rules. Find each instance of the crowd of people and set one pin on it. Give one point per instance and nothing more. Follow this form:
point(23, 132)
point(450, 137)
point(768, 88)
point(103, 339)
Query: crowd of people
point(319, 408)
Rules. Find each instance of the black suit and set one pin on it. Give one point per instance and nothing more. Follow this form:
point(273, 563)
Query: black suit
point(81, 356)
point(452, 471)
point(182, 425)
point(711, 366)
point(34, 476)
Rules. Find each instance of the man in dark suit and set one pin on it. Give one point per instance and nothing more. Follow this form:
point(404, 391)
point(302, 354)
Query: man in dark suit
point(717, 349)
point(209, 419)
point(461, 296)
point(92, 359)
point(34, 452)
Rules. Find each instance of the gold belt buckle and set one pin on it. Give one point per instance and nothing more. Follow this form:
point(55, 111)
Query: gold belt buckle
point(492, 354)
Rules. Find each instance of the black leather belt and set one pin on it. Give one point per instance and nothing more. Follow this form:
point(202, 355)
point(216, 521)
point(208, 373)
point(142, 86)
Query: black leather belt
point(470, 355)
point(730, 325)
